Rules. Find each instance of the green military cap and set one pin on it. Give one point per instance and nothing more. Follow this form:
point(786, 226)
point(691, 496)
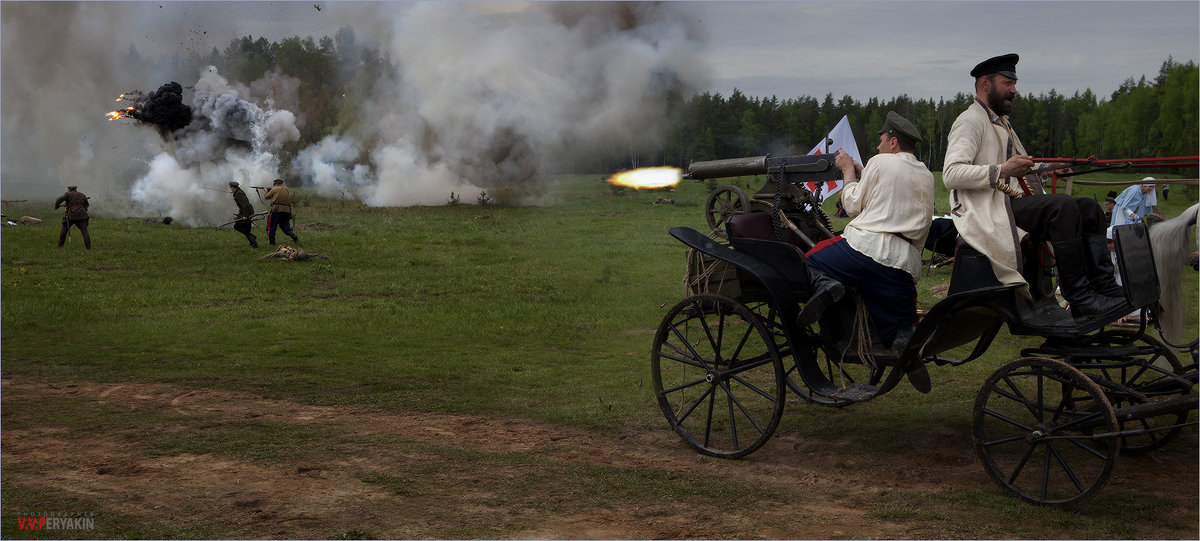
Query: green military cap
point(1005, 64)
point(72, 187)
point(233, 184)
point(900, 126)
point(278, 181)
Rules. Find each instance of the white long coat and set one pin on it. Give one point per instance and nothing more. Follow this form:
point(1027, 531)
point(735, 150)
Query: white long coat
point(976, 148)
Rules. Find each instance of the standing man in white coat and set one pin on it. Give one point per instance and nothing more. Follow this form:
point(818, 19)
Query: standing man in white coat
point(992, 204)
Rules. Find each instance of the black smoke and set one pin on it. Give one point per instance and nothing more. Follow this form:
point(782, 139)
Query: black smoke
point(164, 108)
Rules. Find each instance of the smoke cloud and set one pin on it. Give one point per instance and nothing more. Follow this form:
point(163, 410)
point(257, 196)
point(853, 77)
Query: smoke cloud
point(228, 138)
point(488, 101)
point(485, 96)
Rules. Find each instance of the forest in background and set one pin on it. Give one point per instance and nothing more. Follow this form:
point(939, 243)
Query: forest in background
point(1142, 118)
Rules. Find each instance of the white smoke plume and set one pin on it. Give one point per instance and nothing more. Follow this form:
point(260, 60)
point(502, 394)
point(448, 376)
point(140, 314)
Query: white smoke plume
point(333, 167)
point(228, 138)
point(488, 101)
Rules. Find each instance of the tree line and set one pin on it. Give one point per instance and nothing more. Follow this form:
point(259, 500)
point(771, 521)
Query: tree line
point(1142, 118)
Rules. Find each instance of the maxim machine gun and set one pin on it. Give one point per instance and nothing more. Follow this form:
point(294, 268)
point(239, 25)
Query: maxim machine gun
point(788, 195)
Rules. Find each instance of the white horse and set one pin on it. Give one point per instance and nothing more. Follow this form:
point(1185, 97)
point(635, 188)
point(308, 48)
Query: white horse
point(1169, 241)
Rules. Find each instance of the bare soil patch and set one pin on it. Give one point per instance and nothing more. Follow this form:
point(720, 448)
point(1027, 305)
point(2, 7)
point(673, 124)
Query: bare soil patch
point(327, 496)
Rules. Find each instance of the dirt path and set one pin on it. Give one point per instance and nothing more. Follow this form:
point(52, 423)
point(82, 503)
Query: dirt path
point(328, 496)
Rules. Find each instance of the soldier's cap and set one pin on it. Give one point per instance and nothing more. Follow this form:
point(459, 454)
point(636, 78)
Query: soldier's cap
point(1112, 200)
point(278, 181)
point(72, 187)
point(1005, 64)
point(900, 126)
point(233, 184)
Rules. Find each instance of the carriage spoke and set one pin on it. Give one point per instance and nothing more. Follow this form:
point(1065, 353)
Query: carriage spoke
point(683, 386)
point(758, 390)
point(688, 412)
point(1007, 419)
point(694, 355)
point(1021, 464)
point(1063, 463)
point(749, 416)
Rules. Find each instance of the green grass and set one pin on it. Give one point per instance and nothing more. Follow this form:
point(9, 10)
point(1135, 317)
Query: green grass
point(492, 303)
point(541, 312)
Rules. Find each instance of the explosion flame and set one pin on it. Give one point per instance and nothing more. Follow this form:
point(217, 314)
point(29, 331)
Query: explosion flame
point(648, 177)
point(120, 113)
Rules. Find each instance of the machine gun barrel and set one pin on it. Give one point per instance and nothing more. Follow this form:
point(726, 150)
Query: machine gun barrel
point(733, 167)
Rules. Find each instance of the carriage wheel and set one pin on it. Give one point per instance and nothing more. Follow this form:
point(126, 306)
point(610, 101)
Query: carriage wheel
point(1151, 378)
point(1032, 428)
point(718, 376)
point(722, 203)
point(838, 374)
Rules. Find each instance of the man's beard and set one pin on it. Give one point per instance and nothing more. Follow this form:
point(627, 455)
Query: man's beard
point(996, 102)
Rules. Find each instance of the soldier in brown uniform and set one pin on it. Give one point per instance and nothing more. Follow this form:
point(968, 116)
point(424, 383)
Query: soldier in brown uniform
point(281, 211)
point(245, 213)
point(76, 215)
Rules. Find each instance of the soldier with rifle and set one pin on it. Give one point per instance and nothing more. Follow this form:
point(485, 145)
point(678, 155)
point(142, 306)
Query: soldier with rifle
point(245, 213)
point(281, 210)
point(992, 204)
point(76, 215)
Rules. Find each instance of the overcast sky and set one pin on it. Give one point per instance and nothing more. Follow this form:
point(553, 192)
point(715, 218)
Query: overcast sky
point(862, 49)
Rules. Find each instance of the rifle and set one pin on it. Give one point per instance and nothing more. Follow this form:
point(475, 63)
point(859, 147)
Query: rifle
point(250, 217)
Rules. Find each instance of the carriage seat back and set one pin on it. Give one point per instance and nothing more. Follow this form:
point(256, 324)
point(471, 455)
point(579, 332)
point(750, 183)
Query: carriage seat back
point(758, 225)
point(1135, 260)
point(753, 234)
point(972, 271)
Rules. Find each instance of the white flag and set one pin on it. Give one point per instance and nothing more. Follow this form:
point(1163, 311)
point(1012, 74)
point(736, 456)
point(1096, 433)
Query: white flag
point(839, 138)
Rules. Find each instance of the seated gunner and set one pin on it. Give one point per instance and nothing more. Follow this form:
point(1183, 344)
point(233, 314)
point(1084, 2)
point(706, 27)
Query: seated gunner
point(879, 252)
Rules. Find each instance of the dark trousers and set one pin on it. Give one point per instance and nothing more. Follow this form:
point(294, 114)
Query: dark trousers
point(1058, 217)
point(281, 219)
point(243, 227)
point(889, 294)
point(79, 224)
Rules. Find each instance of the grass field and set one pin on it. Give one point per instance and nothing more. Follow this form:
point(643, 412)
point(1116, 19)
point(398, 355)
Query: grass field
point(459, 372)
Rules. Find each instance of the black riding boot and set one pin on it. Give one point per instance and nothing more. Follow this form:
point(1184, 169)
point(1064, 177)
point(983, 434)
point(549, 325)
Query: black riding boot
point(825, 292)
point(1100, 268)
point(1073, 281)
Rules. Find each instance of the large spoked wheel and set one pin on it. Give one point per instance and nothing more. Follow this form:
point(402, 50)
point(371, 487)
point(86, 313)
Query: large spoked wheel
point(718, 376)
point(1153, 374)
point(1033, 427)
point(723, 203)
